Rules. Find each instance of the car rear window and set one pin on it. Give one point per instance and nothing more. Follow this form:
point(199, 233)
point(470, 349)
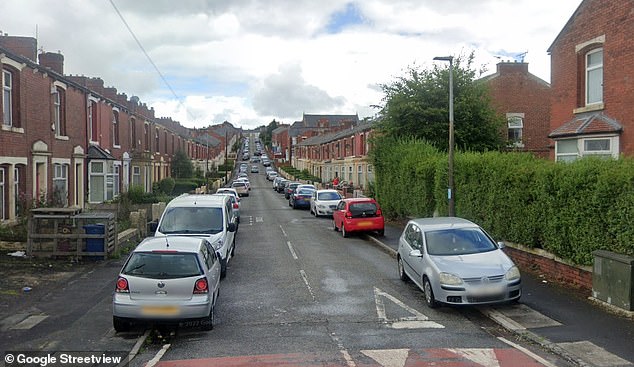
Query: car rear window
point(328, 196)
point(238, 184)
point(308, 192)
point(363, 209)
point(192, 220)
point(162, 265)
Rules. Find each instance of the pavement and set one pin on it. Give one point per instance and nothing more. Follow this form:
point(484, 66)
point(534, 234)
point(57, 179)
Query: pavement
point(561, 319)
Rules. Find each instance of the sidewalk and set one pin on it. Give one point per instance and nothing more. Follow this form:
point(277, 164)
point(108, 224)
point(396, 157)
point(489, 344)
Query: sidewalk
point(559, 318)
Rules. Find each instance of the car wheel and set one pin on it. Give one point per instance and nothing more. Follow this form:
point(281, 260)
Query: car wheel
point(334, 226)
point(294, 206)
point(430, 300)
point(401, 270)
point(120, 324)
point(208, 322)
point(344, 233)
point(223, 268)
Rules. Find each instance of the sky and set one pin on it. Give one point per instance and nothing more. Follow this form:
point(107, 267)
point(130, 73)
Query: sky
point(203, 62)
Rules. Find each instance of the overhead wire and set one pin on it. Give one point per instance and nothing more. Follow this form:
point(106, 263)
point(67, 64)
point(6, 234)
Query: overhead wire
point(158, 71)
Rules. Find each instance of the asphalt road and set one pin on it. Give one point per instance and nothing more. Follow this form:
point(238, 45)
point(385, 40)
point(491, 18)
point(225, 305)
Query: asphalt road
point(298, 293)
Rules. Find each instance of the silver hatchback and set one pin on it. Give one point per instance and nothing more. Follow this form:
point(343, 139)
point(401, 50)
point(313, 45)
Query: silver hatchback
point(455, 262)
point(171, 279)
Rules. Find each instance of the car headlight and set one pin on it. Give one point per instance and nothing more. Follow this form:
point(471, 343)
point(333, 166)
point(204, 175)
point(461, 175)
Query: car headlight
point(321, 206)
point(450, 279)
point(513, 273)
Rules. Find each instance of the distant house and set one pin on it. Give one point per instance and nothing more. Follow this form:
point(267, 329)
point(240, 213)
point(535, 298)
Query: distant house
point(524, 100)
point(313, 125)
point(592, 78)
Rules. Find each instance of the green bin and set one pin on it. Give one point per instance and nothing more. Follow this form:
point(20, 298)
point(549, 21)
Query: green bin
point(613, 279)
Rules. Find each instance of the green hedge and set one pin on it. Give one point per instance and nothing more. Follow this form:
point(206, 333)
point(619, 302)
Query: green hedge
point(567, 209)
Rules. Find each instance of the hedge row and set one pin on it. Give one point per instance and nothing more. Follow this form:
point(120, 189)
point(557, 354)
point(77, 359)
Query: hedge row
point(567, 209)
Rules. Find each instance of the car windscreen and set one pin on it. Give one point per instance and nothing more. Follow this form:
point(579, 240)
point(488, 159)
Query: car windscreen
point(162, 265)
point(192, 220)
point(305, 192)
point(458, 241)
point(363, 209)
point(328, 196)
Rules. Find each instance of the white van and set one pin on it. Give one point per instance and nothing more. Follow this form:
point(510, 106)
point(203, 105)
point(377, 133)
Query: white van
point(202, 216)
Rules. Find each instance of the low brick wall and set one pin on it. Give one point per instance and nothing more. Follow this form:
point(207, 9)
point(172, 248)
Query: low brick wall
point(553, 268)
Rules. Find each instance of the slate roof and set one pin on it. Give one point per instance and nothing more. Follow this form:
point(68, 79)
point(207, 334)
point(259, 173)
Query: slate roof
point(327, 138)
point(333, 120)
point(97, 152)
point(587, 124)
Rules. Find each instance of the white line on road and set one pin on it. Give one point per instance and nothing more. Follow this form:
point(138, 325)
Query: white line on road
point(292, 250)
point(152, 362)
point(283, 232)
point(527, 352)
point(310, 289)
point(343, 351)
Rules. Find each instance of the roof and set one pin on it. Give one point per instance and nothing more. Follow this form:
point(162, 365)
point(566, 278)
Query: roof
point(97, 152)
point(327, 138)
point(196, 200)
point(175, 243)
point(443, 223)
point(587, 124)
point(314, 120)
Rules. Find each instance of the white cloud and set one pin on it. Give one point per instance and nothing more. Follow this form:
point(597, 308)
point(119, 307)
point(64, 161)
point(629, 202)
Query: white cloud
point(249, 62)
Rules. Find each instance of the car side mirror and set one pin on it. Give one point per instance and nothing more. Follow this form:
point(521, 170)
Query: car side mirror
point(231, 227)
point(501, 245)
point(153, 227)
point(415, 253)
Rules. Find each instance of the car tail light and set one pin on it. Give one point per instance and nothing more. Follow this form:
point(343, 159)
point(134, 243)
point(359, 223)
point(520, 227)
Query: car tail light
point(122, 285)
point(379, 213)
point(201, 286)
point(348, 214)
point(236, 206)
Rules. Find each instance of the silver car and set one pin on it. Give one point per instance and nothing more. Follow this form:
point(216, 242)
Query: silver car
point(168, 279)
point(324, 202)
point(454, 261)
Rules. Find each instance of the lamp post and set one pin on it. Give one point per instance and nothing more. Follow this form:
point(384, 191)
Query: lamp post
point(450, 189)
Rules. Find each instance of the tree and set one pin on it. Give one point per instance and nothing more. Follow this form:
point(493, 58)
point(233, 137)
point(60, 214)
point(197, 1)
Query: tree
point(267, 134)
point(182, 167)
point(417, 105)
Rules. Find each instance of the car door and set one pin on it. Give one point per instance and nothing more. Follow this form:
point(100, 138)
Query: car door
point(339, 213)
point(228, 210)
point(410, 241)
point(213, 266)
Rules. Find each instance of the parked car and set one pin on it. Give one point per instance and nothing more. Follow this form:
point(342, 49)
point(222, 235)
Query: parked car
point(205, 216)
point(288, 189)
point(235, 202)
point(270, 175)
point(245, 180)
point(241, 187)
point(168, 279)
point(454, 261)
point(324, 202)
point(278, 182)
point(358, 215)
point(300, 198)
point(255, 169)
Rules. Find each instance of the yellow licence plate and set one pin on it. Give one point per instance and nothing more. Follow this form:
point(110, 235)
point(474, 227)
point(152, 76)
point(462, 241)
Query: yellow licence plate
point(160, 310)
point(364, 224)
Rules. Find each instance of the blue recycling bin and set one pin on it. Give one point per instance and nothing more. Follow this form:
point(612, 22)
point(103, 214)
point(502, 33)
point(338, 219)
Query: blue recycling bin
point(94, 244)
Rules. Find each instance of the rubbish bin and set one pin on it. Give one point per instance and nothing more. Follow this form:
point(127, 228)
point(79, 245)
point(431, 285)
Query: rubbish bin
point(613, 279)
point(95, 244)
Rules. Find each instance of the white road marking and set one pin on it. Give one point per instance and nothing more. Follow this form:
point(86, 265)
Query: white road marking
point(483, 356)
point(310, 289)
point(283, 232)
point(152, 362)
point(527, 352)
point(388, 357)
point(593, 354)
point(29, 322)
point(343, 351)
point(411, 322)
point(292, 250)
point(259, 219)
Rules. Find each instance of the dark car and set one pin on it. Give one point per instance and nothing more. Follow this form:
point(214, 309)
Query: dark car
point(300, 198)
point(288, 189)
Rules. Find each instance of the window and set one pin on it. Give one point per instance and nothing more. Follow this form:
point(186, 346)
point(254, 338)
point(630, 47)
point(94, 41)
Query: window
point(92, 120)
point(350, 173)
point(59, 112)
point(515, 127)
point(133, 132)
point(112, 181)
point(136, 176)
point(60, 184)
point(566, 150)
point(115, 128)
point(599, 147)
point(7, 98)
point(594, 76)
point(96, 181)
point(16, 187)
point(2, 200)
point(146, 137)
point(359, 174)
point(156, 141)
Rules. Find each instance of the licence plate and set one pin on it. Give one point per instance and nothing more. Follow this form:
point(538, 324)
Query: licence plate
point(160, 310)
point(487, 290)
point(364, 223)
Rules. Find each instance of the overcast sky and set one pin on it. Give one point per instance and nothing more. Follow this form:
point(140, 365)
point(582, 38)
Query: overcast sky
point(251, 61)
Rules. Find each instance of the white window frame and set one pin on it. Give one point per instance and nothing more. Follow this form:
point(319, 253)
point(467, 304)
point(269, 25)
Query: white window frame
point(57, 112)
point(2, 198)
point(590, 69)
point(116, 128)
point(136, 176)
point(60, 181)
point(512, 124)
point(16, 188)
point(7, 98)
point(93, 174)
point(612, 152)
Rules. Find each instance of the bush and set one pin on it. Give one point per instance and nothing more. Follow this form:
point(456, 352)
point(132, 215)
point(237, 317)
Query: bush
point(568, 209)
point(184, 187)
point(14, 233)
point(166, 185)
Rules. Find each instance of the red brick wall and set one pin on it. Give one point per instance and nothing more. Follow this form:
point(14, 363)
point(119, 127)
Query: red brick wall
point(514, 90)
point(594, 18)
point(551, 269)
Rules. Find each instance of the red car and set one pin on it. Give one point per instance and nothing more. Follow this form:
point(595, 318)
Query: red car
point(358, 215)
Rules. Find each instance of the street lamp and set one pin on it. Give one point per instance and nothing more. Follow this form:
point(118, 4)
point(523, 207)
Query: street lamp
point(450, 189)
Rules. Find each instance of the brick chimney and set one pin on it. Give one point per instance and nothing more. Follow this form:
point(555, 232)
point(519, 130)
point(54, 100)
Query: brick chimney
point(21, 46)
point(512, 67)
point(53, 61)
